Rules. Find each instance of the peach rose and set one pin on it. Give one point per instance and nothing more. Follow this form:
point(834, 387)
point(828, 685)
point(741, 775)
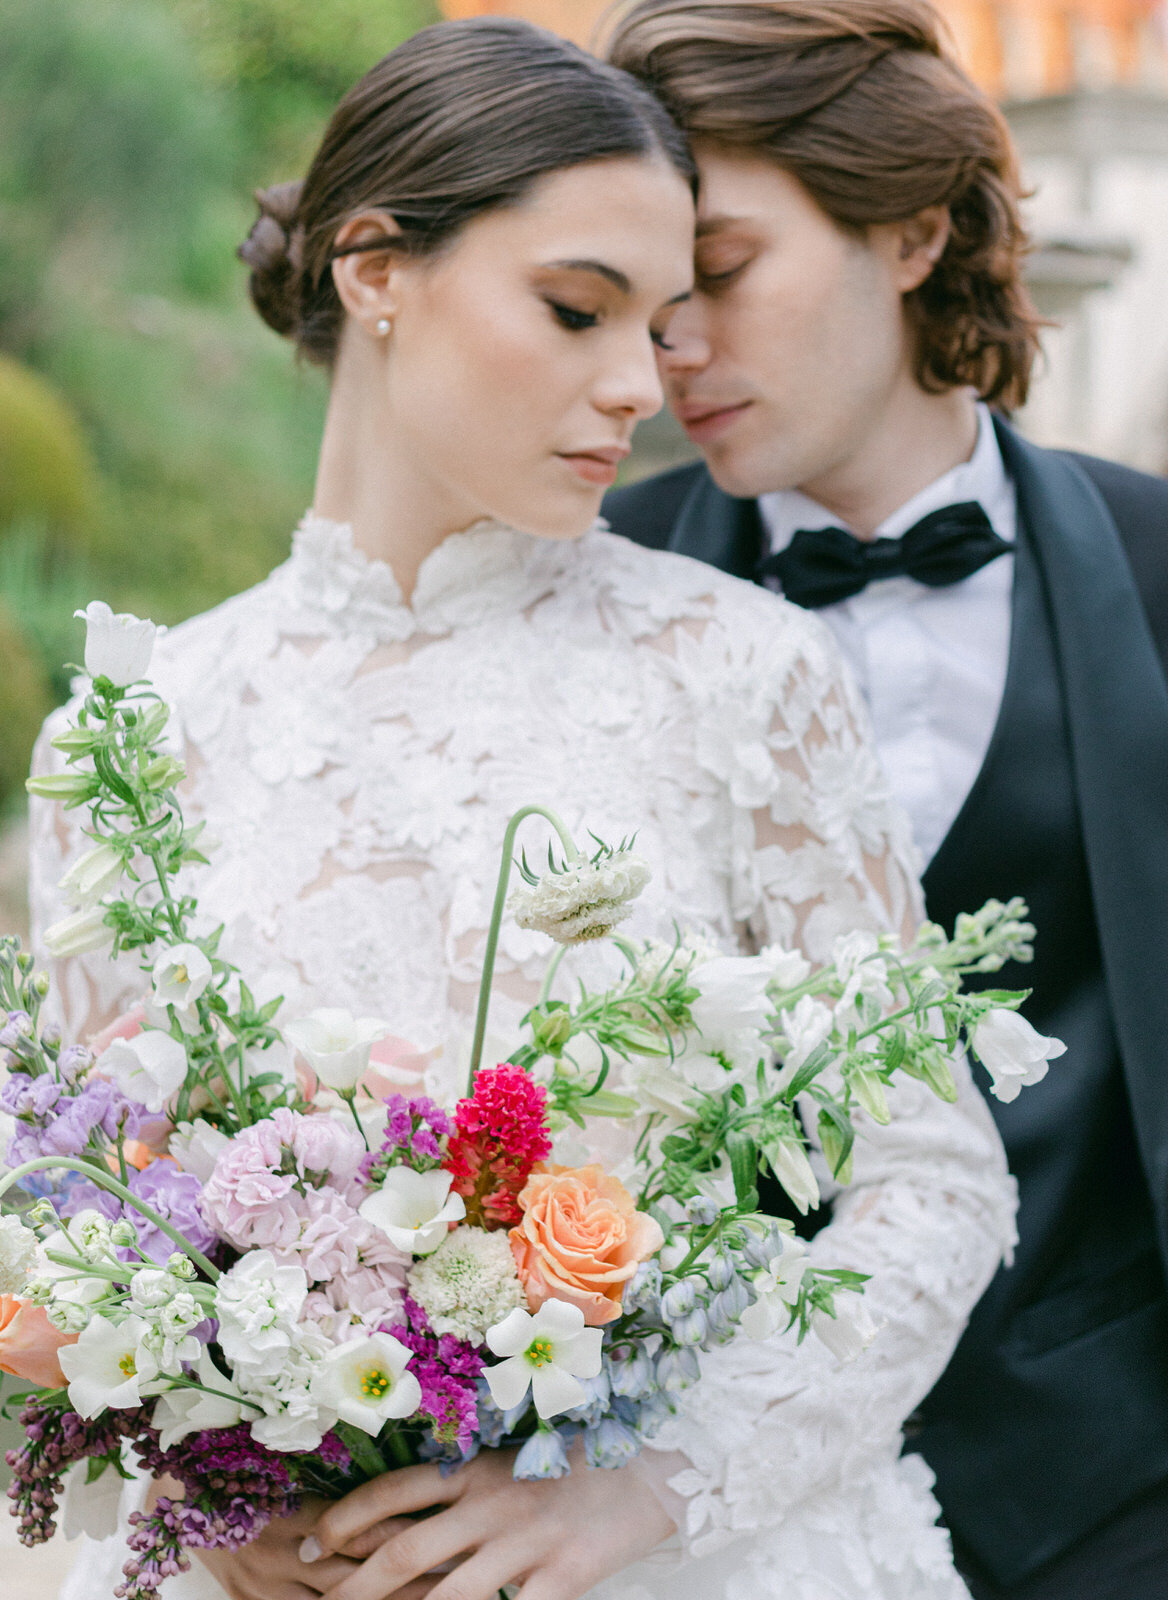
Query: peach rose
point(581, 1240)
point(29, 1343)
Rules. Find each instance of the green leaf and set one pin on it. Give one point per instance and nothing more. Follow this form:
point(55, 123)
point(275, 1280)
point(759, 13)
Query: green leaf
point(743, 1155)
point(808, 1072)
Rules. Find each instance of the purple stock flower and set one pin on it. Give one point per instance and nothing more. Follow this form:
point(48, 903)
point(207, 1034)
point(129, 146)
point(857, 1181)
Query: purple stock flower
point(175, 1195)
point(25, 1096)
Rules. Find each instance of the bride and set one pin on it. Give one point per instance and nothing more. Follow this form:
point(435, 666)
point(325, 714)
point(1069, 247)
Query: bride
point(484, 254)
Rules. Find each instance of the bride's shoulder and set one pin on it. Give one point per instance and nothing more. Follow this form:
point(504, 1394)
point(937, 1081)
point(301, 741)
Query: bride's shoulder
point(662, 591)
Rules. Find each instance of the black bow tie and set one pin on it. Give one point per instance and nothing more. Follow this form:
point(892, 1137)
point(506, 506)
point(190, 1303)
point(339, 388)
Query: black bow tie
point(823, 565)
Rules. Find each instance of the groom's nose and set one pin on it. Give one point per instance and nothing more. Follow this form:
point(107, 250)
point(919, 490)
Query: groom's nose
point(687, 346)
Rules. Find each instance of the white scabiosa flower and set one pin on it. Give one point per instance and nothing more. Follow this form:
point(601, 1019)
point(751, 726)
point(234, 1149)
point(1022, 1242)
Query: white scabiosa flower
point(181, 974)
point(414, 1209)
point(18, 1253)
point(366, 1383)
point(148, 1068)
point(107, 1366)
point(335, 1044)
point(468, 1284)
point(78, 933)
point(547, 1353)
point(585, 901)
point(118, 645)
point(95, 873)
point(1013, 1053)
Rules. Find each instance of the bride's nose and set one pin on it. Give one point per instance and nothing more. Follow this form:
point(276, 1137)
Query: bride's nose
point(630, 384)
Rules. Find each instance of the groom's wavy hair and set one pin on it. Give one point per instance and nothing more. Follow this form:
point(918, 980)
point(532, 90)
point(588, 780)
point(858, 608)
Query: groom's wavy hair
point(461, 119)
point(862, 102)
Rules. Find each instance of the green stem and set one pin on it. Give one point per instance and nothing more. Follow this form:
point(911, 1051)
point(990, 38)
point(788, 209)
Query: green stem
point(505, 865)
point(549, 976)
point(350, 1098)
point(104, 1180)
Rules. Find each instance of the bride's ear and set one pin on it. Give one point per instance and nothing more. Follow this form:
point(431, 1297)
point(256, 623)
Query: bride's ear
point(366, 276)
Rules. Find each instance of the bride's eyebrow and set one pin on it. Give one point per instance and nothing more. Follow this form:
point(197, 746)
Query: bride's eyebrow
point(612, 274)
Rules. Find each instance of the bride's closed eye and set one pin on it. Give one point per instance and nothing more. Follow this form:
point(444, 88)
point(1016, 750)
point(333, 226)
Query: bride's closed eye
point(572, 318)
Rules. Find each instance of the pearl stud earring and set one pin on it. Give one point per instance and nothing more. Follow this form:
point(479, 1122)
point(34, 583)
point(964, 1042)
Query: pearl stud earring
point(383, 326)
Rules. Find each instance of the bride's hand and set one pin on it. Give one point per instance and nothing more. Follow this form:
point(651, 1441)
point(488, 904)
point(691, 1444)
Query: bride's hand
point(270, 1568)
point(557, 1537)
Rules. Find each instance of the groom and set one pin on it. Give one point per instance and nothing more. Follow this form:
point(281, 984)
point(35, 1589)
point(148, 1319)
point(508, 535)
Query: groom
point(1005, 609)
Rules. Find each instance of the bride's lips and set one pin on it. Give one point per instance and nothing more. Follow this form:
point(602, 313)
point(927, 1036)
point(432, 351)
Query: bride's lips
point(704, 422)
point(596, 466)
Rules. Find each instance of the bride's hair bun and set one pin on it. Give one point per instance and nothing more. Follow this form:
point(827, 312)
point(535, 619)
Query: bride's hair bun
point(273, 250)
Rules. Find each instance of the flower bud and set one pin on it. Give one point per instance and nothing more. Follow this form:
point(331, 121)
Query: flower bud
point(676, 1370)
point(551, 1029)
point(180, 1266)
point(701, 1210)
point(693, 1328)
point(679, 1300)
point(123, 1233)
point(542, 1456)
point(721, 1273)
point(631, 1376)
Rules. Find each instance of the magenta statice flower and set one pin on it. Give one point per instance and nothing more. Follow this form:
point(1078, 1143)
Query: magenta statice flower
point(447, 1369)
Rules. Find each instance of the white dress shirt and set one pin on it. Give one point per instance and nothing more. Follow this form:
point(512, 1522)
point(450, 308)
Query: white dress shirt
point(931, 663)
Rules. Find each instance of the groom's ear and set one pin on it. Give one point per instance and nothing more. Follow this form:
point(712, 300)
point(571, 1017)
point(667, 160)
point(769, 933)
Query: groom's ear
point(366, 259)
point(916, 245)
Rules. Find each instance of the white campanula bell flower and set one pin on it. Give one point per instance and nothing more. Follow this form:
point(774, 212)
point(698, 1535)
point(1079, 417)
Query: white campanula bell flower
point(547, 1353)
point(366, 1383)
point(118, 645)
point(78, 933)
point(181, 974)
point(148, 1068)
point(414, 1209)
point(776, 1287)
point(93, 874)
point(1013, 1053)
point(335, 1044)
point(183, 1411)
point(847, 1334)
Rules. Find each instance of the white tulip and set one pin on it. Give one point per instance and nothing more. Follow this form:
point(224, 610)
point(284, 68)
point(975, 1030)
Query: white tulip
point(366, 1383)
point(413, 1209)
point(1013, 1053)
point(78, 933)
point(118, 646)
point(848, 1333)
point(181, 974)
point(549, 1353)
point(335, 1044)
point(148, 1068)
point(107, 1366)
point(95, 873)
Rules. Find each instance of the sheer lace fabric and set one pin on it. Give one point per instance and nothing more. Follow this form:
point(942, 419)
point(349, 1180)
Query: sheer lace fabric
point(357, 759)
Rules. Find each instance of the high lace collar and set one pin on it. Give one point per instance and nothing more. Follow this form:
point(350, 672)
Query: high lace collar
point(487, 570)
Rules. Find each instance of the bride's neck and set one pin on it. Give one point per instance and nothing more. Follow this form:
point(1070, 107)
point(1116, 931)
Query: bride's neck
point(366, 479)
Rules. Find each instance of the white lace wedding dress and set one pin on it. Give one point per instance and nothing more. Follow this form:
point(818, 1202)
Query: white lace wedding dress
point(357, 758)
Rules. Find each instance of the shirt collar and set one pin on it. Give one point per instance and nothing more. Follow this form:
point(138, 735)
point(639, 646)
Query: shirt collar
point(982, 478)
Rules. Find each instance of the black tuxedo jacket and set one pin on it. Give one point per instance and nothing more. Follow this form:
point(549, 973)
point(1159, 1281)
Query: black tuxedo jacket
point(1055, 1408)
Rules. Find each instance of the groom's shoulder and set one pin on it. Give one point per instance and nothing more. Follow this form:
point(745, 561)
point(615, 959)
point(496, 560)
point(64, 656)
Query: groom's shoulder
point(647, 511)
point(1137, 500)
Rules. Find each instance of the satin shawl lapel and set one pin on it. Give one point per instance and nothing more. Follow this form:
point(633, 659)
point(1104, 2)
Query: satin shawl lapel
point(714, 527)
point(1117, 713)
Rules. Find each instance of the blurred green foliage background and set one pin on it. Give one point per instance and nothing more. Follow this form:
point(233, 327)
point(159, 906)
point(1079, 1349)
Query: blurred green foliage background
point(157, 442)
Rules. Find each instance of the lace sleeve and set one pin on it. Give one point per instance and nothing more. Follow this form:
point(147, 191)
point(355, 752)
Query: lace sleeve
point(819, 849)
point(88, 991)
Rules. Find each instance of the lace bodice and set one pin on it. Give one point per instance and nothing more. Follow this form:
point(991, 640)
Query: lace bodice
point(357, 757)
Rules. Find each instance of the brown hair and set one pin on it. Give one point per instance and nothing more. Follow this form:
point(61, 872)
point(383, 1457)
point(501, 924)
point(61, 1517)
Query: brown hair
point(462, 118)
point(860, 101)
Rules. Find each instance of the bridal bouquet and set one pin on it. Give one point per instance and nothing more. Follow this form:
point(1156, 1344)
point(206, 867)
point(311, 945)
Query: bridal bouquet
point(224, 1260)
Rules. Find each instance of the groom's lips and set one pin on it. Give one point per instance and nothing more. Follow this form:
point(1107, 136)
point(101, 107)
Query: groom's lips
point(704, 422)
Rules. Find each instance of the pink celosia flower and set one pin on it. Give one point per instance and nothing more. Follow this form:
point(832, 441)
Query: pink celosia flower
point(500, 1134)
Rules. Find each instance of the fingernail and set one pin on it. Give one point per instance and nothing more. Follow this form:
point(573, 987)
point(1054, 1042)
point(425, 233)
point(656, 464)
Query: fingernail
point(311, 1548)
